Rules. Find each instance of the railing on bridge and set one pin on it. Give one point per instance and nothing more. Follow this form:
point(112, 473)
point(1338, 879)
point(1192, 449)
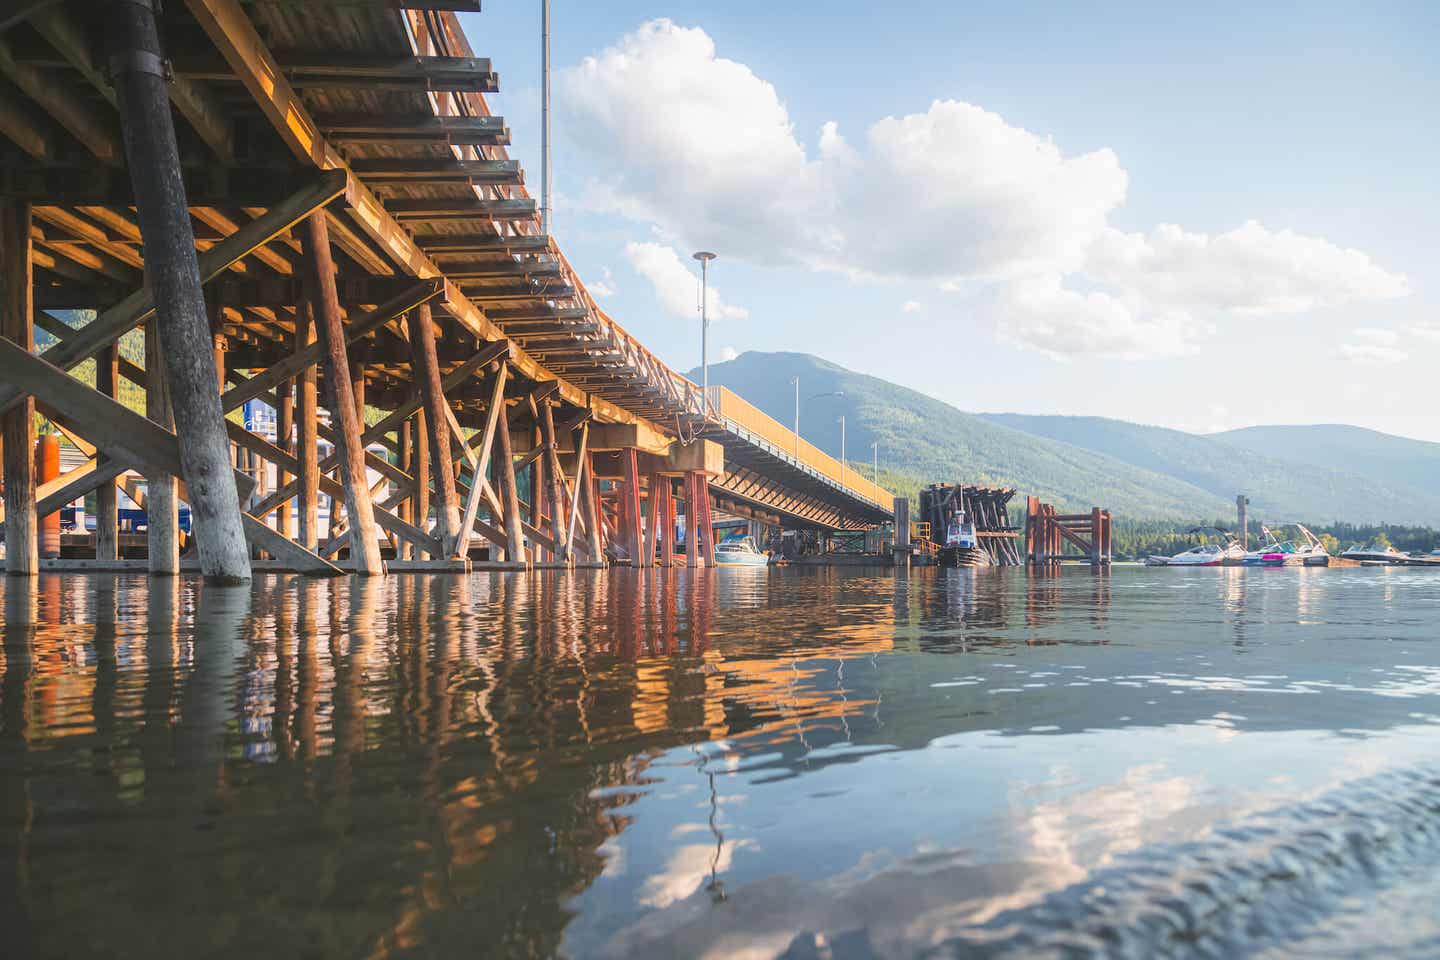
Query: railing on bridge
point(730, 408)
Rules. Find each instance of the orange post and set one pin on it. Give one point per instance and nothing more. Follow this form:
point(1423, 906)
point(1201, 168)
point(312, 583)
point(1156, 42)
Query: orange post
point(47, 467)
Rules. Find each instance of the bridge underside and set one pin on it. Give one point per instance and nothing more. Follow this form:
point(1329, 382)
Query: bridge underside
point(376, 287)
point(781, 491)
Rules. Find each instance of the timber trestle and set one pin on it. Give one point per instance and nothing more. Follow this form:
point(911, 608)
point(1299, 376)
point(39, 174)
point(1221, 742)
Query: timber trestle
point(306, 298)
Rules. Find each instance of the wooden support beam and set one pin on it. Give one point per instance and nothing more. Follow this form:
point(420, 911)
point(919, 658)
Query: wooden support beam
point(426, 371)
point(556, 477)
point(461, 208)
point(630, 516)
point(480, 467)
point(652, 528)
point(96, 132)
point(667, 522)
point(162, 532)
point(420, 461)
point(130, 439)
point(408, 128)
point(107, 500)
point(440, 244)
point(19, 127)
point(311, 354)
point(140, 305)
point(194, 101)
point(307, 441)
point(407, 73)
point(22, 10)
point(320, 279)
point(17, 426)
point(419, 170)
point(509, 490)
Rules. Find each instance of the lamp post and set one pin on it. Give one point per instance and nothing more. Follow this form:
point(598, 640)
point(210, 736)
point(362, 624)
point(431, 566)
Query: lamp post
point(796, 380)
point(545, 117)
point(842, 449)
point(875, 450)
point(705, 256)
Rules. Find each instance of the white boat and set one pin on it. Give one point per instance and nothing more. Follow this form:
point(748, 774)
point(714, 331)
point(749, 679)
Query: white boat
point(739, 552)
point(1376, 554)
point(1204, 555)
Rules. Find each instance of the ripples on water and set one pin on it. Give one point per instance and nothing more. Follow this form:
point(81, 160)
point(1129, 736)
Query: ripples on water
point(789, 763)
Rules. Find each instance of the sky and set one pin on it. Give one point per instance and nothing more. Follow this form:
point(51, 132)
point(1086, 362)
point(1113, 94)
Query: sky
point(1203, 218)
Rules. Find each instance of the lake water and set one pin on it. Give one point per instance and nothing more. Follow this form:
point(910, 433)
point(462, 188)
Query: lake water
point(801, 763)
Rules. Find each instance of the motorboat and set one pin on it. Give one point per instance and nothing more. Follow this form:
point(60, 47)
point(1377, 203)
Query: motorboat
point(1376, 555)
point(1205, 555)
point(1254, 558)
point(962, 544)
point(738, 551)
point(1306, 550)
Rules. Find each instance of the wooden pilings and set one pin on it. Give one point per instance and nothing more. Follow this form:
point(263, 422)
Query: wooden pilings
point(17, 425)
point(1047, 532)
point(107, 498)
point(161, 507)
point(173, 274)
point(340, 396)
point(426, 370)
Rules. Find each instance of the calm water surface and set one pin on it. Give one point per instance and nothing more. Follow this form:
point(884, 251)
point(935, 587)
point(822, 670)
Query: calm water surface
point(792, 763)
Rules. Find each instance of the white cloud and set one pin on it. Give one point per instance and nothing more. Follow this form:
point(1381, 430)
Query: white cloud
point(704, 150)
point(604, 287)
point(1377, 336)
point(912, 306)
point(1375, 347)
point(1041, 314)
point(728, 353)
point(1372, 355)
point(1250, 270)
point(677, 287)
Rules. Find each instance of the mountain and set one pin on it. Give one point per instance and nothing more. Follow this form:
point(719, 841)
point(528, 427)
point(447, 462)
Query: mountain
point(1415, 463)
point(1137, 471)
point(1284, 480)
point(923, 440)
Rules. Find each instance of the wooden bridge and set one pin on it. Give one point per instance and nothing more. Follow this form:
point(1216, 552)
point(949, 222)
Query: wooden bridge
point(307, 204)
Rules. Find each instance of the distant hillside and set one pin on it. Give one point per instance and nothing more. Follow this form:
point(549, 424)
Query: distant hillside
point(923, 440)
point(1317, 474)
point(1285, 480)
point(1415, 463)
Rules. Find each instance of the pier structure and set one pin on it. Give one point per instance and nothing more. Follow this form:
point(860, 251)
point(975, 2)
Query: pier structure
point(308, 208)
point(1048, 533)
point(985, 506)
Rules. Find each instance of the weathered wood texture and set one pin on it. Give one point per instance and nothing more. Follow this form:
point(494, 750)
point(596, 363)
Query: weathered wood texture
point(340, 397)
point(17, 426)
point(173, 275)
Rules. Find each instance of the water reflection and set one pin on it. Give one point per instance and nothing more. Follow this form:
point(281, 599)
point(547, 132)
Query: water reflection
point(667, 762)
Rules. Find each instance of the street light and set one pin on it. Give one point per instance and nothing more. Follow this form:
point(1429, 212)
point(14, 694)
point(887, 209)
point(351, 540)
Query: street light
point(842, 449)
point(705, 256)
point(875, 450)
point(796, 380)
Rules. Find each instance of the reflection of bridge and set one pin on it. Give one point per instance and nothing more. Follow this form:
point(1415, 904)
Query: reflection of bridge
point(366, 246)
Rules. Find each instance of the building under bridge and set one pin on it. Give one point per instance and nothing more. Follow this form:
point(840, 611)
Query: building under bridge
point(310, 206)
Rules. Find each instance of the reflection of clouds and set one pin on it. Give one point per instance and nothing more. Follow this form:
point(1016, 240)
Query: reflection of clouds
point(687, 870)
point(1077, 832)
point(614, 853)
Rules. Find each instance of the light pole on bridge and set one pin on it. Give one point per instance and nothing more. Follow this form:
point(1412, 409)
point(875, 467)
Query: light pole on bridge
point(705, 256)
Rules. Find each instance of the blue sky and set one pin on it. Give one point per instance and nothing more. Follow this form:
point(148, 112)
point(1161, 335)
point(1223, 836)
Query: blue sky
point(1063, 231)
